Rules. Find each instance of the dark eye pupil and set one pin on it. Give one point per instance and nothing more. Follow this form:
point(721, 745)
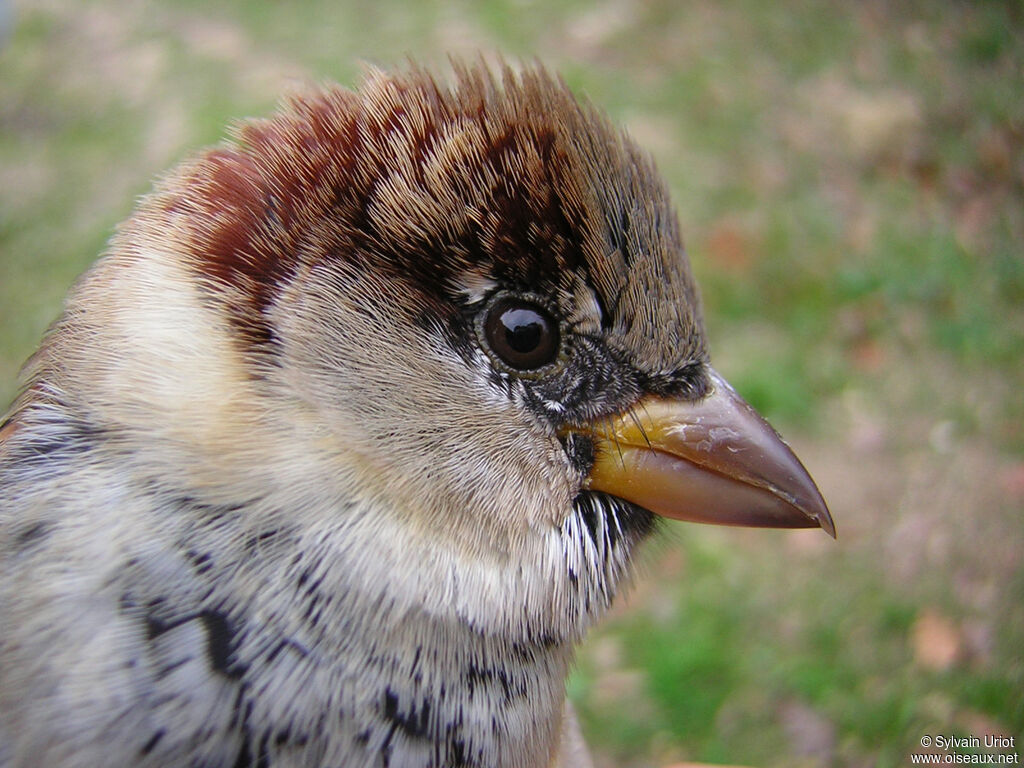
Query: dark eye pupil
point(521, 333)
point(524, 329)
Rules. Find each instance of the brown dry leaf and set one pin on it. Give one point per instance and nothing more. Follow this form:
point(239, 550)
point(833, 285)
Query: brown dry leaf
point(868, 356)
point(730, 249)
point(937, 641)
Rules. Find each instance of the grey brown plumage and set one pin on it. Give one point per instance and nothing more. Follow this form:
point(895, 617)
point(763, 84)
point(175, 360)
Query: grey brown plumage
point(280, 489)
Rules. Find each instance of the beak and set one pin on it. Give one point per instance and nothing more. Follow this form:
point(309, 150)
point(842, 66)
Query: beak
point(715, 460)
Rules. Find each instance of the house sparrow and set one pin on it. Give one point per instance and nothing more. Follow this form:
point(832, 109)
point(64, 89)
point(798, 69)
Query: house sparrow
point(351, 435)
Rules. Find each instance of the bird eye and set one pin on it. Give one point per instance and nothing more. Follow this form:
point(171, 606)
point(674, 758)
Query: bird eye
point(523, 334)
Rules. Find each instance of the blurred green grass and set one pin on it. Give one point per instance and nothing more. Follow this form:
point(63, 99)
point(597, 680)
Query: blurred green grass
point(850, 178)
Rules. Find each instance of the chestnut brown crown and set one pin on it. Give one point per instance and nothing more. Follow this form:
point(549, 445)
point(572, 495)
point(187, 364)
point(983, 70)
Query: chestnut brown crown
point(444, 191)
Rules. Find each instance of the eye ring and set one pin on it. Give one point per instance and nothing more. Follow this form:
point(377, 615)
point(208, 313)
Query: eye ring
point(520, 332)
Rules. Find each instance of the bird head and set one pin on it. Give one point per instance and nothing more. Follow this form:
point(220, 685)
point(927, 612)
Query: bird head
point(449, 333)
